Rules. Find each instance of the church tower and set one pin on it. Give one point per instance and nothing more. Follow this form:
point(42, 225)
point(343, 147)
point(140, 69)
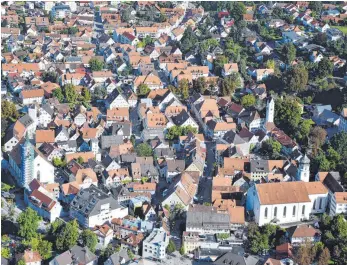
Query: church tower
point(27, 167)
point(270, 110)
point(304, 169)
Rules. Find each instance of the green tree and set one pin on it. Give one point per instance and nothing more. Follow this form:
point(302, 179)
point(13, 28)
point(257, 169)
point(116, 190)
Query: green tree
point(28, 222)
point(219, 63)
point(80, 160)
point(320, 162)
point(233, 51)
point(72, 30)
point(289, 53)
point(95, 64)
point(200, 85)
point(105, 254)
point(183, 88)
point(50, 77)
point(339, 144)
point(325, 68)
point(171, 247)
point(270, 64)
point(89, 239)
point(237, 10)
point(99, 93)
point(8, 110)
point(304, 129)
point(182, 250)
point(70, 93)
point(86, 97)
point(296, 78)
point(58, 162)
point(130, 254)
point(188, 40)
point(68, 236)
point(21, 262)
point(316, 6)
point(271, 148)
point(248, 100)
point(334, 157)
point(176, 131)
point(40, 245)
point(58, 93)
point(143, 90)
point(5, 252)
point(229, 84)
point(287, 114)
point(144, 150)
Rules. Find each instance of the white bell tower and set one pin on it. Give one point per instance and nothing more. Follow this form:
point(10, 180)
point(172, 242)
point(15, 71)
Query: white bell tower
point(304, 169)
point(270, 110)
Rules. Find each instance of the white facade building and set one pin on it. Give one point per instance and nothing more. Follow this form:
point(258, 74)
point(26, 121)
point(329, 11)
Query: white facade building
point(154, 246)
point(286, 202)
point(338, 203)
point(93, 207)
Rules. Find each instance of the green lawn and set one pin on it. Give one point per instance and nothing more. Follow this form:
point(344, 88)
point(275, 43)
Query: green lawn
point(342, 28)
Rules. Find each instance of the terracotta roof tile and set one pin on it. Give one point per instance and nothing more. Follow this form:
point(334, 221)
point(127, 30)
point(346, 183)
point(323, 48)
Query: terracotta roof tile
point(47, 136)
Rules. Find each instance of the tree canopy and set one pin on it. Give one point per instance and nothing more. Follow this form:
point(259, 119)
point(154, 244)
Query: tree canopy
point(296, 78)
point(325, 68)
point(171, 247)
point(96, 65)
point(143, 90)
point(287, 114)
point(28, 222)
point(89, 239)
point(188, 40)
point(248, 100)
point(144, 149)
point(8, 110)
point(176, 131)
point(229, 84)
point(68, 236)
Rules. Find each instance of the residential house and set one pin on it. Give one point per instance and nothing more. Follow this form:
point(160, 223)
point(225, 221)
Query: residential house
point(101, 208)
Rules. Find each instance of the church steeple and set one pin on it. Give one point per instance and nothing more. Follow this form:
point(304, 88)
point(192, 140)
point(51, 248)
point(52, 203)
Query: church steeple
point(270, 110)
point(304, 169)
point(27, 160)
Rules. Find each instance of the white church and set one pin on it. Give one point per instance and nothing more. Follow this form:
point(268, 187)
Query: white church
point(27, 163)
point(286, 202)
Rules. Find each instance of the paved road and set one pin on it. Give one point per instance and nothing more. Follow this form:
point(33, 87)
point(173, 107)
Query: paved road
point(205, 185)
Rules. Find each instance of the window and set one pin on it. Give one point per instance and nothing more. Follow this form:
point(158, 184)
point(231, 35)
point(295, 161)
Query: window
point(314, 205)
point(294, 210)
point(284, 211)
point(275, 212)
point(266, 212)
point(320, 203)
point(303, 210)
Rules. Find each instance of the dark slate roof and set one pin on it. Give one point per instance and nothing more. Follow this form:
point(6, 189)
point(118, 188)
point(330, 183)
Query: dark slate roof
point(48, 109)
point(181, 118)
point(232, 137)
point(118, 257)
point(108, 140)
point(201, 216)
point(259, 165)
point(231, 258)
point(125, 126)
point(88, 201)
point(82, 255)
point(26, 120)
point(332, 182)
